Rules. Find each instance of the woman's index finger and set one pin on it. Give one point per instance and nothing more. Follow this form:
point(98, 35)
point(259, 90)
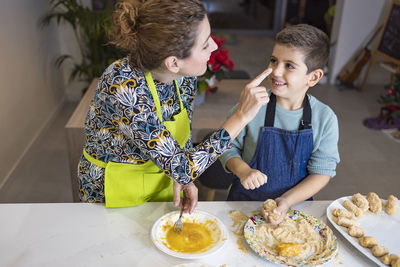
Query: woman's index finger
point(261, 77)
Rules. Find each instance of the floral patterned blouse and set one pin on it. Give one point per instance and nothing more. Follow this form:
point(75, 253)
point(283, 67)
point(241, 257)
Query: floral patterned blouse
point(122, 118)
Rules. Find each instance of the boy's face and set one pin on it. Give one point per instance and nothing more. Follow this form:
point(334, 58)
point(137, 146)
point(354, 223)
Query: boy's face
point(289, 78)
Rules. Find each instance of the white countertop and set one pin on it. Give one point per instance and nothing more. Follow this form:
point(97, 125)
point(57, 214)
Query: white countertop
point(81, 234)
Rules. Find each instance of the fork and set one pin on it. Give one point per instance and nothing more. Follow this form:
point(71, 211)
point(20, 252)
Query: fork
point(178, 224)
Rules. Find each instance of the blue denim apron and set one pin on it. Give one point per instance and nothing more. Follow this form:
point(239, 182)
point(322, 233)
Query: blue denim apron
point(280, 154)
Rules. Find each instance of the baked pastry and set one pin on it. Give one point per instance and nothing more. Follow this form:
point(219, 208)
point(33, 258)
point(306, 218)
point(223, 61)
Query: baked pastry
point(342, 213)
point(356, 231)
point(352, 208)
point(385, 259)
point(368, 241)
point(346, 222)
point(395, 262)
point(360, 201)
point(378, 251)
point(375, 203)
point(391, 206)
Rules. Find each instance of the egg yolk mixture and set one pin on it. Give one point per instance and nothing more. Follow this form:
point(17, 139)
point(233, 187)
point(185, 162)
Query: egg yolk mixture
point(195, 237)
point(289, 249)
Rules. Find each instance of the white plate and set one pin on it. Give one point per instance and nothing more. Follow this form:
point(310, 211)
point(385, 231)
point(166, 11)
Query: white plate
point(382, 226)
point(193, 264)
point(318, 226)
point(217, 229)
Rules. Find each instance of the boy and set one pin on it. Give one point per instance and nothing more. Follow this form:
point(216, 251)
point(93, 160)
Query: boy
point(289, 151)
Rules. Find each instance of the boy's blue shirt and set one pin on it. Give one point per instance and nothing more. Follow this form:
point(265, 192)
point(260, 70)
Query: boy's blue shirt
point(325, 154)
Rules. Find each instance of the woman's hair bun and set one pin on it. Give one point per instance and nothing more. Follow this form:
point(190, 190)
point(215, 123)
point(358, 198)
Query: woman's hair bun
point(152, 30)
point(125, 22)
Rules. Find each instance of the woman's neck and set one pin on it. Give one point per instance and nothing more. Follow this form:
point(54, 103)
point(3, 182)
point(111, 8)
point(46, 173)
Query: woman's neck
point(163, 76)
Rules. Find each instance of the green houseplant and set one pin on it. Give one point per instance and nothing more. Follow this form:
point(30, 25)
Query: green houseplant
point(90, 28)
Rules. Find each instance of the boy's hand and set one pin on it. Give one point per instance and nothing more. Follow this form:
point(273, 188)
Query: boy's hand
point(252, 179)
point(282, 209)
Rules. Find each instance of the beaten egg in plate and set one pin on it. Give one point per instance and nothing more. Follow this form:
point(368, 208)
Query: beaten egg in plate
point(202, 234)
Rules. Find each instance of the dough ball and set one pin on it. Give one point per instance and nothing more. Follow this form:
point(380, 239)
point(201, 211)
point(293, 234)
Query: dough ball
point(269, 205)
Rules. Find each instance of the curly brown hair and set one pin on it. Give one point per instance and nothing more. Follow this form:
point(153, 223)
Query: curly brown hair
point(153, 30)
point(313, 42)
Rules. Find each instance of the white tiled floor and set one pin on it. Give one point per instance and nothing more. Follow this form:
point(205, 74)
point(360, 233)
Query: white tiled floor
point(370, 161)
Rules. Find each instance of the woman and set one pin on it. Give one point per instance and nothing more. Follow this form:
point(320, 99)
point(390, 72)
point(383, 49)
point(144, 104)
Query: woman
point(138, 143)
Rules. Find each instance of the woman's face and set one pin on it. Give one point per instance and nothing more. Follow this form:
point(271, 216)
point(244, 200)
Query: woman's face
point(196, 63)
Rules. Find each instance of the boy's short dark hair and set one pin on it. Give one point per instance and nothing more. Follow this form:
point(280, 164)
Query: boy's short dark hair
point(313, 42)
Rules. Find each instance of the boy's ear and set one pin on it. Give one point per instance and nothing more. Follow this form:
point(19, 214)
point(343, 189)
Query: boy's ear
point(314, 77)
point(172, 64)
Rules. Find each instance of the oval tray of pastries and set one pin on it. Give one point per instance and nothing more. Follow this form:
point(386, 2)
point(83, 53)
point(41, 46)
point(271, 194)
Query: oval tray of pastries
point(370, 224)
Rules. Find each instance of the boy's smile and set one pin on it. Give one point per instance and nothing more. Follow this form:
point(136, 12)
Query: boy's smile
point(289, 79)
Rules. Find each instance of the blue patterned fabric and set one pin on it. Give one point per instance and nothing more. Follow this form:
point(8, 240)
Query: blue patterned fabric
point(122, 126)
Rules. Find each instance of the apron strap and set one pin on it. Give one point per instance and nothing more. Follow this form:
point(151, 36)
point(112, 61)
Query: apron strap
point(93, 160)
point(153, 90)
point(270, 114)
point(305, 123)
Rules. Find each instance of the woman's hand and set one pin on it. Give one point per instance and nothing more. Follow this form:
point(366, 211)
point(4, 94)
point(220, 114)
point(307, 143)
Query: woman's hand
point(252, 179)
point(281, 209)
point(190, 193)
point(253, 97)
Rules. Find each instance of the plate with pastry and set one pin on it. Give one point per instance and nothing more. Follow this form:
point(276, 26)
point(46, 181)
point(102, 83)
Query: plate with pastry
point(299, 240)
point(369, 223)
point(202, 234)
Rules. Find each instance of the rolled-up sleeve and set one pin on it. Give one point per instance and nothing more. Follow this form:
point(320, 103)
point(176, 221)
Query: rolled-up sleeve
point(325, 156)
point(236, 148)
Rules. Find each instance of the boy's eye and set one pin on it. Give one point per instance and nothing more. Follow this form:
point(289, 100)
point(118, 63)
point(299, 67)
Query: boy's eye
point(290, 66)
point(272, 60)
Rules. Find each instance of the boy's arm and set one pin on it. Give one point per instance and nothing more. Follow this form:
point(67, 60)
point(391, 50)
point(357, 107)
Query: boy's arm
point(311, 185)
point(307, 188)
point(249, 178)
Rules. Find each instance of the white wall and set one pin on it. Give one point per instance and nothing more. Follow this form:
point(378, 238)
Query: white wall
point(68, 45)
point(31, 88)
point(354, 23)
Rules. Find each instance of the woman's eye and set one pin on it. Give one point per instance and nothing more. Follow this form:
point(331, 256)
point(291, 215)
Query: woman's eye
point(206, 46)
point(272, 61)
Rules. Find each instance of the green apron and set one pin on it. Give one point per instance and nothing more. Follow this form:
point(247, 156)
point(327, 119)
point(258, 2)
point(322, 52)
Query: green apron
point(128, 184)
